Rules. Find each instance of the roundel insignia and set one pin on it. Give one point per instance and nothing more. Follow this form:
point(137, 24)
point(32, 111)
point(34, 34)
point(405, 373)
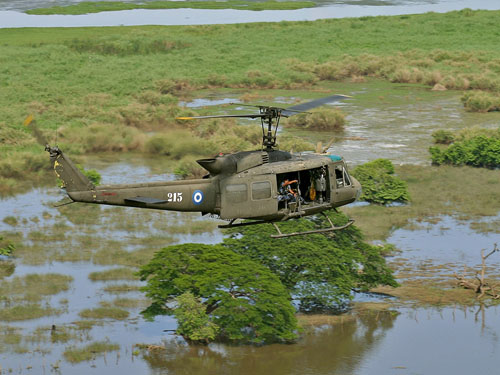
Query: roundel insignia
point(197, 197)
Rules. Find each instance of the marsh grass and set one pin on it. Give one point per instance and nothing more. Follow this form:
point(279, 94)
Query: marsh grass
point(11, 220)
point(91, 81)
point(54, 335)
point(431, 293)
point(11, 340)
point(126, 303)
point(26, 312)
point(86, 325)
point(7, 268)
point(465, 192)
point(106, 312)
point(121, 273)
point(319, 320)
point(121, 257)
point(121, 288)
point(89, 352)
point(323, 119)
point(486, 227)
point(33, 287)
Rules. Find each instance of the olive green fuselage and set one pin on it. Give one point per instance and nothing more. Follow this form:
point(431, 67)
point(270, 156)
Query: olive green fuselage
point(245, 185)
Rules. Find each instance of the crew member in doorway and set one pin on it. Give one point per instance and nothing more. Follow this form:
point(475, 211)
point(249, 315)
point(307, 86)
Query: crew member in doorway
point(320, 186)
point(287, 194)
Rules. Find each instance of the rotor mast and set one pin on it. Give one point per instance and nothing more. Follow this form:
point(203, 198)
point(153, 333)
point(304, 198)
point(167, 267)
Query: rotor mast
point(269, 135)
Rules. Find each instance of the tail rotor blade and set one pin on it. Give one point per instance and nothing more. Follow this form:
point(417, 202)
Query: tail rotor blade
point(29, 122)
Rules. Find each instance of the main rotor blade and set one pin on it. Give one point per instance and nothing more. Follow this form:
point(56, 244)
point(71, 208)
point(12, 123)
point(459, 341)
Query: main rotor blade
point(223, 116)
point(293, 110)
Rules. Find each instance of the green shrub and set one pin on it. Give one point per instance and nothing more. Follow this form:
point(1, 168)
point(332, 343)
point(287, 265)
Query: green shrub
point(91, 174)
point(479, 151)
point(379, 183)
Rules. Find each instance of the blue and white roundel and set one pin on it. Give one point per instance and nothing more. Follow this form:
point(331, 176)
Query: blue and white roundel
point(197, 197)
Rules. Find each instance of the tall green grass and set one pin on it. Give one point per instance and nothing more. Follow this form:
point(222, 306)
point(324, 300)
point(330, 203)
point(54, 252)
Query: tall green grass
point(104, 89)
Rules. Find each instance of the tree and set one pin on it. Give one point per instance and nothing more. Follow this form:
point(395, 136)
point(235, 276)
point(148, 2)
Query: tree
point(243, 298)
point(193, 323)
point(319, 270)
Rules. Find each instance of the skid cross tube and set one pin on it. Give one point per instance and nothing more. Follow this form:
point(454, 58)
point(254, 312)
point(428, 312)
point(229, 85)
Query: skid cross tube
point(324, 230)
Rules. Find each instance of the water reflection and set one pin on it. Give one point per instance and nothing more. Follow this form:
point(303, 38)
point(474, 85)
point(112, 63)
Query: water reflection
point(327, 351)
point(415, 341)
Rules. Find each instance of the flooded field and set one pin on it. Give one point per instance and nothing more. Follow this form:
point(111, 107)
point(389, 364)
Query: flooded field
point(90, 318)
point(383, 120)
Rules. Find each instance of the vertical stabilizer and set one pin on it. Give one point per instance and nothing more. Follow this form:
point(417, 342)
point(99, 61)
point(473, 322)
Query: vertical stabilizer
point(72, 178)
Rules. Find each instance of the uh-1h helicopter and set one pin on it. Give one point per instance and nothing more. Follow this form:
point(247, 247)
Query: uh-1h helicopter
point(263, 186)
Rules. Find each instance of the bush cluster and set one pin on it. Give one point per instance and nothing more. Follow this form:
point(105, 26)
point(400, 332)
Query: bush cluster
point(324, 119)
point(474, 147)
point(481, 101)
point(379, 183)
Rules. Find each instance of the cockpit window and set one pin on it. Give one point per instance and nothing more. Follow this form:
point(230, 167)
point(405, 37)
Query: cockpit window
point(342, 177)
point(347, 179)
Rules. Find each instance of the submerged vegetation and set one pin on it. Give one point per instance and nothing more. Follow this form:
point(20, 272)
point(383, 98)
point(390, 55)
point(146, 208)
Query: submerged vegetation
point(89, 352)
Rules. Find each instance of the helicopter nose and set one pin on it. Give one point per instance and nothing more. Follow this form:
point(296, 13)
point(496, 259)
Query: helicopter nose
point(357, 187)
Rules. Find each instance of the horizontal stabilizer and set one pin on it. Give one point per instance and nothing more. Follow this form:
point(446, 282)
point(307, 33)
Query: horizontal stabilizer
point(145, 200)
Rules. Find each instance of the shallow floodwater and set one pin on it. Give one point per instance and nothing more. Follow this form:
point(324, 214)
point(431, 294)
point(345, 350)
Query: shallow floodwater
point(10, 15)
point(368, 342)
point(423, 341)
point(383, 120)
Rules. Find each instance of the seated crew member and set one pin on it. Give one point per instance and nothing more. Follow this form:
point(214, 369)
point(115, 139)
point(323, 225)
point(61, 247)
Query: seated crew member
point(286, 193)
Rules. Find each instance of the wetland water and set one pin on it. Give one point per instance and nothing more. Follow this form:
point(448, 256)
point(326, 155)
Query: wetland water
point(80, 240)
point(388, 341)
point(11, 13)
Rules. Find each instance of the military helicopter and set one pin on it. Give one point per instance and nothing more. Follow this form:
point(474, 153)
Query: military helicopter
point(262, 186)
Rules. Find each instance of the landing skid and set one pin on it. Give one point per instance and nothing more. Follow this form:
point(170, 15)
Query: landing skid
point(325, 230)
point(231, 225)
point(283, 235)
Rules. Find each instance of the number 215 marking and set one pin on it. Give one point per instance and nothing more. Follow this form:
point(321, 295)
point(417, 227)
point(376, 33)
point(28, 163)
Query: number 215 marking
point(174, 197)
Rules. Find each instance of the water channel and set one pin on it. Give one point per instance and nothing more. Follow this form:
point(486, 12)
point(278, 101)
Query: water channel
point(12, 16)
